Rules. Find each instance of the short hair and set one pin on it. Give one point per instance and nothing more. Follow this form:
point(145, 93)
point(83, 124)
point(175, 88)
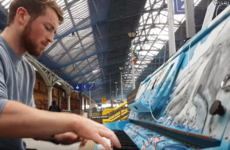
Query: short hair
point(35, 9)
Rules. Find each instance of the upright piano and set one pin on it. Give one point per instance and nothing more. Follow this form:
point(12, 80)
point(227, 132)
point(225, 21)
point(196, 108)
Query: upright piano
point(185, 104)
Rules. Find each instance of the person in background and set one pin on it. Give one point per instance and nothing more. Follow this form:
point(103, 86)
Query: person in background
point(30, 27)
point(54, 107)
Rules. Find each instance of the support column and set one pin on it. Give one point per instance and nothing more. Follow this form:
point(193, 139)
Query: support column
point(111, 93)
point(90, 104)
point(68, 101)
point(121, 87)
point(82, 103)
point(60, 96)
point(49, 96)
point(60, 102)
point(133, 78)
point(80, 99)
point(112, 98)
point(85, 104)
point(116, 91)
point(172, 45)
point(190, 21)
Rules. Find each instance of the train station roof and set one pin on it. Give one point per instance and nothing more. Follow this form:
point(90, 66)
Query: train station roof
point(93, 41)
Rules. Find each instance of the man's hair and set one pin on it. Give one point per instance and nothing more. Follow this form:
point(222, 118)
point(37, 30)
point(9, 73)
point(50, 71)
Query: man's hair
point(35, 9)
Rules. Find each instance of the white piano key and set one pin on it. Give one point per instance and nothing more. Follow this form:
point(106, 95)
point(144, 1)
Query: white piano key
point(100, 147)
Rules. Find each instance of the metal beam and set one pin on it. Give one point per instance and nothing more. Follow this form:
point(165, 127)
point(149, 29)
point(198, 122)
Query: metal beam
point(3, 10)
point(172, 46)
point(68, 5)
point(144, 31)
point(106, 66)
point(72, 30)
point(82, 59)
point(51, 76)
point(141, 13)
point(59, 40)
point(72, 78)
point(190, 21)
point(77, 34)
point(95, 6)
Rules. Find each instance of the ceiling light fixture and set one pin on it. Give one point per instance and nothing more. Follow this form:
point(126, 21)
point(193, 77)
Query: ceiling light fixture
point(95, 71)
point(121, 68)
point(132, 35)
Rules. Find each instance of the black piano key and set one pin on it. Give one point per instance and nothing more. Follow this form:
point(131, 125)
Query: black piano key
point(126, 142)
point(126, 148)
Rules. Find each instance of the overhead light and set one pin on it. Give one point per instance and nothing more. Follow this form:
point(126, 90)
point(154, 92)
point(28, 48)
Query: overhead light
point(95, 71)
point(132, 34)
point(58, 83)
point(121, 68)
point(115, 82)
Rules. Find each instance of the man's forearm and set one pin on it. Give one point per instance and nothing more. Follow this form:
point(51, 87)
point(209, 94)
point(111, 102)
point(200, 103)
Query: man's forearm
point(20, 121)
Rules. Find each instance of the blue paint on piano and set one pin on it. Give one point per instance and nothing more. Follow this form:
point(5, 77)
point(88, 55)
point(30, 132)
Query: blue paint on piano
point(171, 108)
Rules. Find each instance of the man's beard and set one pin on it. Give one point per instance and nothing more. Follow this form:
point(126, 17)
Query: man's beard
point(27, 43)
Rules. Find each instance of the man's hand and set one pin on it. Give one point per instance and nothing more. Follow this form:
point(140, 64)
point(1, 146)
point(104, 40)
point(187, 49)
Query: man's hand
point(69, 138)
point(41, 125)
point(91, 130)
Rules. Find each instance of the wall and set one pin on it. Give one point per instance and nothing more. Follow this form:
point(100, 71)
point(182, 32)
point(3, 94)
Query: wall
point(41, 96)
point(40, 93)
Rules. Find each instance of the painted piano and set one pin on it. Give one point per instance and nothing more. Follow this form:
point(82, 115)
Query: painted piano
point(185, 104)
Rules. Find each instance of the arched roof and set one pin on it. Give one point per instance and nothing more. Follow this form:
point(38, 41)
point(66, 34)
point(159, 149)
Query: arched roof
point(92, 42)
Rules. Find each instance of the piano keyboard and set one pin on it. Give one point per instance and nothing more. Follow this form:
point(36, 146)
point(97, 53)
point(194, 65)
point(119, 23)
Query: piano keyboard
point(126, 142)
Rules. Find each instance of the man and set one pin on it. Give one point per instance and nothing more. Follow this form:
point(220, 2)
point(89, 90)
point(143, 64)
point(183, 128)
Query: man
point(30, 28)
point(54, 107)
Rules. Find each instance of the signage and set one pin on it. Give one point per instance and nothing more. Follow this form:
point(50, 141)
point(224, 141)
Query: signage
point(96, 114)
point(84, 87)
point(91, 86)
point(78, 87)
point(179, 6)
point(103, 100)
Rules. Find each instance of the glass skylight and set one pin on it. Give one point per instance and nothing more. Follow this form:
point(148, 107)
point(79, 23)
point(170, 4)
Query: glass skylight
point(152, 35)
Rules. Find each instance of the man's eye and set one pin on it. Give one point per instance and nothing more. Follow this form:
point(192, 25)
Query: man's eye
point(48, 29)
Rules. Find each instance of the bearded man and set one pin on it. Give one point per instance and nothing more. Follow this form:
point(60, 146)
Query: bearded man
point(30, 28)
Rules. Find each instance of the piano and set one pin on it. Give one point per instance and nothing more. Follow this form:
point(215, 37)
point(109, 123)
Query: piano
point(185, 104)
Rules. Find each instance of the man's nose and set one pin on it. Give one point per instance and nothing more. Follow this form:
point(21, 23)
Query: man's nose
point(50, 38)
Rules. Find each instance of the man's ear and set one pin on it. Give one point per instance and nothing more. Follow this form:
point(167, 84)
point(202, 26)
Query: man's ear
point(22, 16)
